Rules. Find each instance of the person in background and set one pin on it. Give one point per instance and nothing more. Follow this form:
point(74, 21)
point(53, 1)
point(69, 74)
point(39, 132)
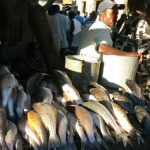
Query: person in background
point(90, 20)
point(75, 25)
point(134, 34)
point(85, 16)
point(79, 17)
point(61, 28)
point(96, 40)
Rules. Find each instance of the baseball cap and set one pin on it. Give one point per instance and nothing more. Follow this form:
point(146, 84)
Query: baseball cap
point(106, 4)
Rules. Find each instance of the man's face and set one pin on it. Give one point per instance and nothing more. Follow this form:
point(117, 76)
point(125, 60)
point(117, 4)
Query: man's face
point(109, 16)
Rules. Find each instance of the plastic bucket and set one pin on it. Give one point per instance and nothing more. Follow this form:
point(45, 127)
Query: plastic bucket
point(115, 70)
point(82, 70)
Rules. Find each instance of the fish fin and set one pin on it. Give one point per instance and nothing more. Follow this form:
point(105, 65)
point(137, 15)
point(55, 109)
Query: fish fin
point(53, 142)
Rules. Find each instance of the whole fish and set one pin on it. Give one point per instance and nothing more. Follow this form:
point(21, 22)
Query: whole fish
point(3, 129)
point(62, 127)
point(11, 135)
point(102, 97)
point(85, 119)
point(143, 118)
point(36, 124)
point(43, 94)
point(21, 100)
point(48, 114)
point(7, 84)
point(27, 132)
point(126, 124)
point(135, 92)
point(123, 101)
point(104, 113)
point(34, 81)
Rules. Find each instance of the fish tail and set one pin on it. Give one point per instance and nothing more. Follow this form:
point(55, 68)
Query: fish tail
point(125, 139)
point(53, 142)
point(137, 137)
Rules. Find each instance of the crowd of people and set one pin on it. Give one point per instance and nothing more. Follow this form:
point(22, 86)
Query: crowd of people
point(101, 32)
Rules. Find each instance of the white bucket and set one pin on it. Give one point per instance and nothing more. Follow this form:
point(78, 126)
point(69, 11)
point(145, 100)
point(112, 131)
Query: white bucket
point(82, 70)
point(117, 69)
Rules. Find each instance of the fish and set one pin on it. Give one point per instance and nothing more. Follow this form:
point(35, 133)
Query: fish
point(73, 121)
point(36, 124)
point(143, 118)
point(126, 124)
point(43, 94)
point(89, 97)
point(21, 99)
point(27, 132)
point(3, 129)
point(48, 114)
point(102, 97)
point(68, 90)
point(85, 119)
point(4, 69)
point(7, 84)
point(11, 135)
point(101, 125)
point(34, 81)
point(104, 113)
point(62, 127)
point(135, 92)
point(11, 105)
point(123, 101)
point(70, 138)
point(62, 78)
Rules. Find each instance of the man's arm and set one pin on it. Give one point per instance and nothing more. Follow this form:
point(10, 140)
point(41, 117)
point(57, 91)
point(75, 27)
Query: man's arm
point(108, 50)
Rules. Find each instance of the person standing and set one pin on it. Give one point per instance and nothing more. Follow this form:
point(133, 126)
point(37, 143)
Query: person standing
point(96, 40)
point(61, 25)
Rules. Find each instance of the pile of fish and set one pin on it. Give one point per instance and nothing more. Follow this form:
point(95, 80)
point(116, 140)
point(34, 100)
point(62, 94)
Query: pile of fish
point(50, 113)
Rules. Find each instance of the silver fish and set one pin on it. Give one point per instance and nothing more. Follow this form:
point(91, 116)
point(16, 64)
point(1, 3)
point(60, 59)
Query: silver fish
point(11, 104)
point(21, 99)
point(135, 92)
point(126, 124)
point(123, 101)
point(4, 69)
point(34, 81)
point(104, 113)
point(7, 84)
point(11, 135)
point(43, 94)
point(143, 118)
point(102, 97)
point(3, 129)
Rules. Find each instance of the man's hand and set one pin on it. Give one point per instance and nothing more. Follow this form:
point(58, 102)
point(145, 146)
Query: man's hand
point(136, 54)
